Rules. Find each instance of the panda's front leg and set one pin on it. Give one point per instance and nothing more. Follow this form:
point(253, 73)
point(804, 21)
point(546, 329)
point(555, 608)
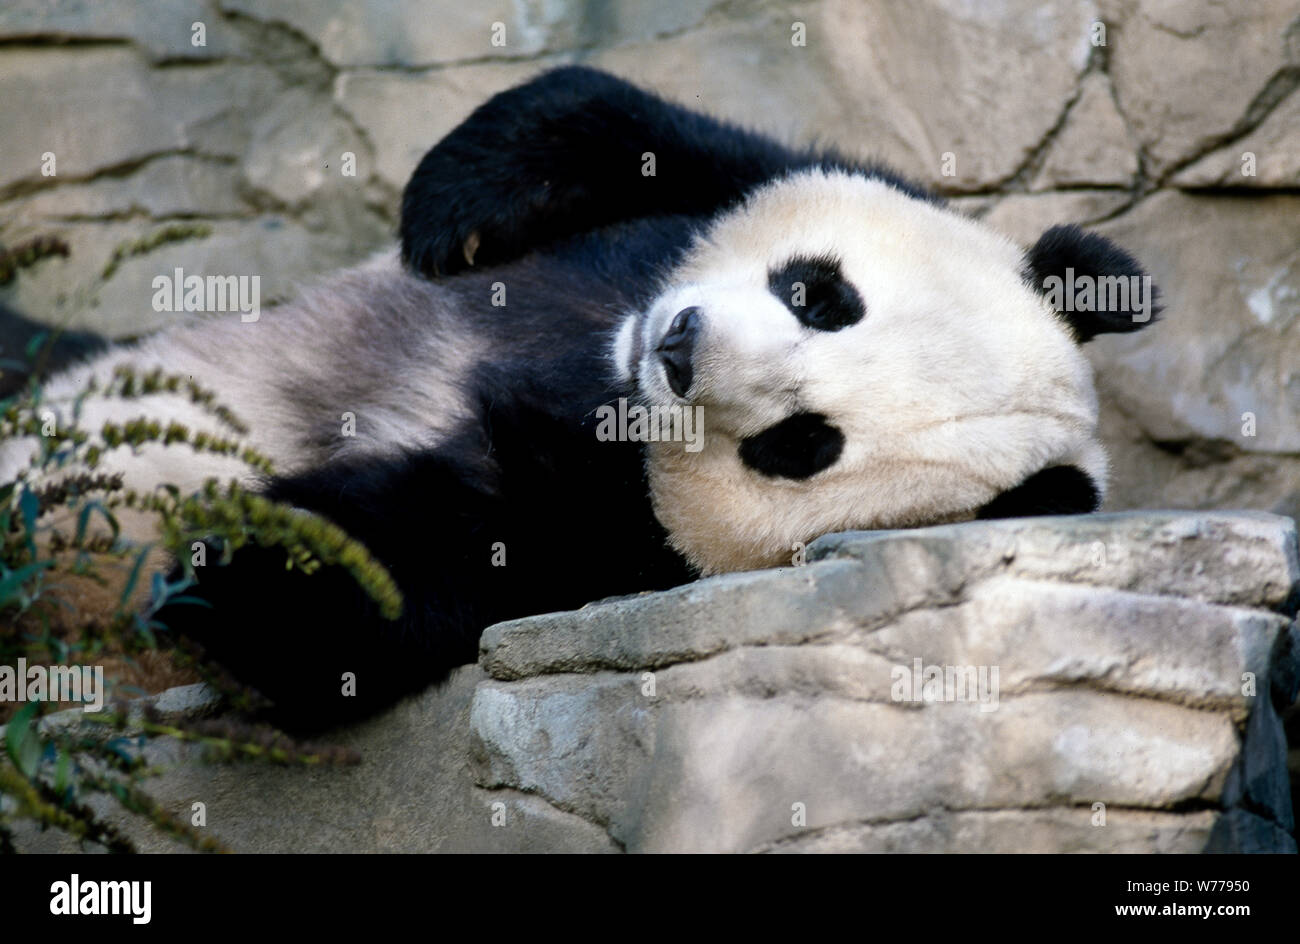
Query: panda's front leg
point(565, 153)
point(317, 645)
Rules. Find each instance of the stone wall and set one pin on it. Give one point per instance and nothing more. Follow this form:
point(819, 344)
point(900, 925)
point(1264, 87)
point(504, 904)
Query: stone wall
point(1147, 137)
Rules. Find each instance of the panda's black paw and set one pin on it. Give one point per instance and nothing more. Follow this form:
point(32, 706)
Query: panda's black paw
point(312, 645)
point(450, 225)
point(538, 162)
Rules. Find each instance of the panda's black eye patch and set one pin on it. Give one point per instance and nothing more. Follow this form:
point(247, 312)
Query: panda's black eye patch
point(798, 447)
point(815, 291)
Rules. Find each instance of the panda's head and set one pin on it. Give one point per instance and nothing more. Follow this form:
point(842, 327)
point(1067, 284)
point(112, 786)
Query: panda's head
point(859, 358)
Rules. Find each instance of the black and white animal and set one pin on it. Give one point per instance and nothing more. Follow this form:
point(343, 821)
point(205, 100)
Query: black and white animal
point(860, 355)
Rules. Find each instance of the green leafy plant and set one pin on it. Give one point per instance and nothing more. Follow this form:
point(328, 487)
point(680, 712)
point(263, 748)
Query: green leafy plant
point(59, 522)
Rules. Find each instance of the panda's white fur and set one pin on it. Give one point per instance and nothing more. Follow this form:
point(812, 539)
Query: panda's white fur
point(375, 341)
point(958, 384)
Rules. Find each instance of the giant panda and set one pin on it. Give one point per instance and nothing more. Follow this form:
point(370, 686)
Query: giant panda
point(859, 355)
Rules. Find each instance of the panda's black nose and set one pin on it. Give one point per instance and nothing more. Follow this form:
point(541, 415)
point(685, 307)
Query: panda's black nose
point(677, 347)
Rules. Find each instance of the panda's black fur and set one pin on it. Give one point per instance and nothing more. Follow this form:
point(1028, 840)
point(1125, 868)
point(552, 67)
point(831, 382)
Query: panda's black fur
point(538, 189)
point(552, 158)
point(526, 477)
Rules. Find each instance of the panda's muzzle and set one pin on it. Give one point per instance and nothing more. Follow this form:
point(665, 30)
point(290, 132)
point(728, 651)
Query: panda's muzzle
point(677, 347)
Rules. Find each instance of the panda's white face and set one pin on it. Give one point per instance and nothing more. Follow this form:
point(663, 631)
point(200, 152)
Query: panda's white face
point(859, 359)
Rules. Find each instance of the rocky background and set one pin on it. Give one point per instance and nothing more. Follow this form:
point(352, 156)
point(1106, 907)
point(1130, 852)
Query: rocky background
point(1171, 125)
point(1180, 136)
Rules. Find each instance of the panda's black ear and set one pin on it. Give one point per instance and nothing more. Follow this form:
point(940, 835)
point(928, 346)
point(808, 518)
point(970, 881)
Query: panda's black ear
point(1095, 285)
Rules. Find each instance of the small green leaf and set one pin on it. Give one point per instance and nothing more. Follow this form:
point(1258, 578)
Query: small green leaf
point(158, 586)
point(35, 344)
point(22, 742)
point(61, 772)
point(14, 580)
point(144, 631)
point(30, 506)
point(134, 577)
point(189, 601)
point(83, 518)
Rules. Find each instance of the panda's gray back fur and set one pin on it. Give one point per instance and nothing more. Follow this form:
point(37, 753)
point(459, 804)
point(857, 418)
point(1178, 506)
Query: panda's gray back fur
point(367, 361)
